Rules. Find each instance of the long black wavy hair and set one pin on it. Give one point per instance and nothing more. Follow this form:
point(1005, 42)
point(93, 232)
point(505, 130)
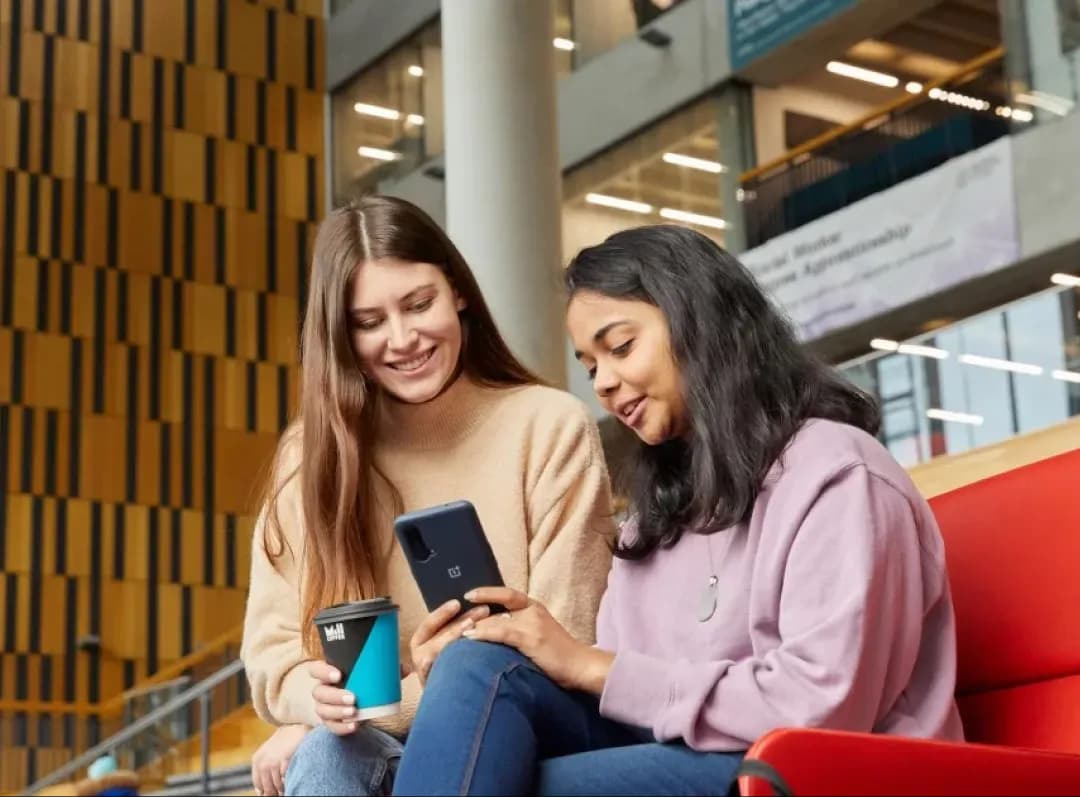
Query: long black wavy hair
point(748, 383)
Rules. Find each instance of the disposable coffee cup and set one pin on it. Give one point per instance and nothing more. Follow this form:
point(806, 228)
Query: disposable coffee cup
point(360, 639)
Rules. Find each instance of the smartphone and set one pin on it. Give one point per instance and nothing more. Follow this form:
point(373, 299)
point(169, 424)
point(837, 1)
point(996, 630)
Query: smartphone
point(448, 553)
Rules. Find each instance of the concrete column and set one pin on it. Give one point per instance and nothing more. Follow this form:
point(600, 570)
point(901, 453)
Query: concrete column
point(735, 148)
point(502, 167)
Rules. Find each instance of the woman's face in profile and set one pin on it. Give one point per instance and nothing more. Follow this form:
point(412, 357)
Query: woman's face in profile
point(405, 328)
point(625, 345)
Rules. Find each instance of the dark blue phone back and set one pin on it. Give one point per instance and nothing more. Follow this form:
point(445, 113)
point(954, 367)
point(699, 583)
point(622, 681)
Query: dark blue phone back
point(455, 555)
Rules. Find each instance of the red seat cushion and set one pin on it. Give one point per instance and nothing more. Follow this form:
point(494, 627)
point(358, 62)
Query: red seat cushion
point(1013, 551)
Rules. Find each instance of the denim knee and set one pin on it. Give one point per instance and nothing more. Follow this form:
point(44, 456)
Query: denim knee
point(362, 763)
point(466, 659)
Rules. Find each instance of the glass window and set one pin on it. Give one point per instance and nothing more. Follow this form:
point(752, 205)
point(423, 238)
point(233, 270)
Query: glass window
point(388, 119)
point(670, 172)
point(1009, 371)
point(1043, 37)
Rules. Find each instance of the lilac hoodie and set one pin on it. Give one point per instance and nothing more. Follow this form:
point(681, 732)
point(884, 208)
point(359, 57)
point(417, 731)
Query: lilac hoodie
point(833, 610)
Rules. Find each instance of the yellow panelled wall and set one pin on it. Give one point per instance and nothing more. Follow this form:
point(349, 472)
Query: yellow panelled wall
point(160, 180)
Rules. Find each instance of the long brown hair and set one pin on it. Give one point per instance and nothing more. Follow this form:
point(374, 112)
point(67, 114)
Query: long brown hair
point(335, 430)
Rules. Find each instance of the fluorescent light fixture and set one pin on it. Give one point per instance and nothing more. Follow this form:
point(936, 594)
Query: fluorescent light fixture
point(1066, 376)
point(865, 75)
point(416, 70)
point(1068, 280)
point(414, 119)
point(563, 44)
point(913, 87)
point(883, 344)
point(1001, 365)
point(1020, 115)
point(378, 154)
point(618, 203)
point(962, 100)
point(693, 218)
point(932, 352)
point(690, 162)
point(367, 109)
point(956, 417)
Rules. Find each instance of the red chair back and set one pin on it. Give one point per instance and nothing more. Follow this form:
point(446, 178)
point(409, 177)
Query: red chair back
point(1013, 550)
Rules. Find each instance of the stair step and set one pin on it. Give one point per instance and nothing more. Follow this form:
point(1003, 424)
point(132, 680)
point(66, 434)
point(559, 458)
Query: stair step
point(218, 785)
point(221, 772)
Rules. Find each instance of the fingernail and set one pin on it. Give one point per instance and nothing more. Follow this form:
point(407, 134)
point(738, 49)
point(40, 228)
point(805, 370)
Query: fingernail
point(470, 595)
point(335, 676)
point(349, 712)
point(468, 624)
point(348, 699)
point(470, 633)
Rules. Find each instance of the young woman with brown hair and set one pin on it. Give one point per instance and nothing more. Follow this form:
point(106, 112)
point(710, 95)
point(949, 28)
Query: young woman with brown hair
point(410, 398)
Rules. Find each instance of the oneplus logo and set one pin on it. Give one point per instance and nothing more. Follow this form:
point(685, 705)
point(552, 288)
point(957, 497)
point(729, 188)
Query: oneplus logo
point(454, 572)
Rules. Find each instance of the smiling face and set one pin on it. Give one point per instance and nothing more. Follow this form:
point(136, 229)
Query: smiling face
point(405, 328)
point(625, 345)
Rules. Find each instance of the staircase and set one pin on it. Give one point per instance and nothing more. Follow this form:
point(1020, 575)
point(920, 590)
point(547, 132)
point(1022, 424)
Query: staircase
point(233, 740)
point(234, 779)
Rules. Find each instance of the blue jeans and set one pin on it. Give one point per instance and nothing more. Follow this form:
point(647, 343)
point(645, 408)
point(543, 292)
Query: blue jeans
point(362, 763)
point(491, 722)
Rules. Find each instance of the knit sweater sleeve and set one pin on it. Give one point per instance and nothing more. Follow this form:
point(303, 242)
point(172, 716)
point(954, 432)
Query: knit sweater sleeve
point(272, 648)
point(571, 522)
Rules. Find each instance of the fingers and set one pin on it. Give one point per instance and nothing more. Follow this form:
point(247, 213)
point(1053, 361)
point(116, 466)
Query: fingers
point(323, 672)
point(512, 599)
point(494, 629)
point(435, 621)
point(341, 728)
point(455, 630)
point(257, 779)
point(279, 775)
point(333, 704)
point(332, 696)
point(425, 658)
point(478, 613)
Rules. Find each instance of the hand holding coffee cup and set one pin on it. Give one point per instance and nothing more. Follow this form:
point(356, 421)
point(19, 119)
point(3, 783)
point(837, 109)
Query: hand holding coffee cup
point(361, 677)
point(437, 631)
point(335, 707)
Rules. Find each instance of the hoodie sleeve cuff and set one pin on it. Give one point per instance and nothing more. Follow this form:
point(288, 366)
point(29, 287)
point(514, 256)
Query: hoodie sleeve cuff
point(639, 689)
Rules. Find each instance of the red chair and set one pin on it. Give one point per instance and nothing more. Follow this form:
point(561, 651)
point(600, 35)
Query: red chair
point(1013, 548)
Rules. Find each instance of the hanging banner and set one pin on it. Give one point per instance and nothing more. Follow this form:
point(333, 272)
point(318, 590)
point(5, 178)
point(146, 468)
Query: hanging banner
point(758, 26)
point(911, 241)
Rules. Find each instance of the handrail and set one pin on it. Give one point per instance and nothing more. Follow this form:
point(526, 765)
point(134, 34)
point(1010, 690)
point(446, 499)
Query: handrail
point(114, 706)
point(891, 107)
point(199, 691)
point(150, 688)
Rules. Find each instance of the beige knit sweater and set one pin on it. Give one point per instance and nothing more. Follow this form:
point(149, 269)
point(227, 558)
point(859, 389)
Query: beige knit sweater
point(528, 458)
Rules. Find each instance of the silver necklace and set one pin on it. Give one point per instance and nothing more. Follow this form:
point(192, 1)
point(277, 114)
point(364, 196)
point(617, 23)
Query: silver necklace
point(707, 604)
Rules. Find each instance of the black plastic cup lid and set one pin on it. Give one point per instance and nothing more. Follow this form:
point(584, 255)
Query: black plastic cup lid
point(354, 610)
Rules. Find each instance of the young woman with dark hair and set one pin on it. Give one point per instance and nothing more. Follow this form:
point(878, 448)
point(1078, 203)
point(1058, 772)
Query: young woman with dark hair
point(410, 398)
point(779, 567)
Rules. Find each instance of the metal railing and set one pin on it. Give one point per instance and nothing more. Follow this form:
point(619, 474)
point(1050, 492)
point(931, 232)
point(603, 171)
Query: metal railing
point(892, 143)
point(40, 735)
point(201, 693)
